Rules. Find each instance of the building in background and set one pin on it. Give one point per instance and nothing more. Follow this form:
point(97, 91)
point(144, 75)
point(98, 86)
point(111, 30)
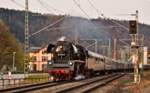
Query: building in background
point(38, 59)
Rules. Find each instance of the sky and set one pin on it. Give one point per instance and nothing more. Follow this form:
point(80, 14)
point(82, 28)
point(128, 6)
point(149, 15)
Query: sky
point(118, 9)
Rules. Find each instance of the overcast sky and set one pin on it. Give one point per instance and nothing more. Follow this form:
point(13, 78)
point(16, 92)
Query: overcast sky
point(110, 8)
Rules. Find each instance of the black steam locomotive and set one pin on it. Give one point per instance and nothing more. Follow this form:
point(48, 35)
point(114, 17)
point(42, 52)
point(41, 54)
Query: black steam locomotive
point(71, 61)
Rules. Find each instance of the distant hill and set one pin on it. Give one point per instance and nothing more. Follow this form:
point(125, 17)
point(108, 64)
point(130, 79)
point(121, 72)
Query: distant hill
point(72, 27)
point(15, 19)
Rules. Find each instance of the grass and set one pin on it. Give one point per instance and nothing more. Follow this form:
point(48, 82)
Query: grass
point(118, 86)
point(37, 78)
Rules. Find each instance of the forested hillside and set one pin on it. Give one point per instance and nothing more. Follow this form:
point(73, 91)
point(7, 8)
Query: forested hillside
point(72, 27)
point(15, 19)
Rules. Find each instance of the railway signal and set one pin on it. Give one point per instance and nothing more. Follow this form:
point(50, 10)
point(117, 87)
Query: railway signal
point(133, 27)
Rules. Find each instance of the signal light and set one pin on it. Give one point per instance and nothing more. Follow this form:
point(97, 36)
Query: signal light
point(133, 27)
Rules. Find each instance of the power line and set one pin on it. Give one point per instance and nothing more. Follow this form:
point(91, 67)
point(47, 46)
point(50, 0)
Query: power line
point(97, 10)
point(42, 4)
point(78, 5)
point(18, 4)
point(54, 28)
point(120, 25)
point(48, 26)
point(46, 6)
point(124, 27)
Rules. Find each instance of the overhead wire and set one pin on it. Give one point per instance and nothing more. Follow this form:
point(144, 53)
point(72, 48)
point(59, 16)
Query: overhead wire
point(97, 10)
point(92, 5)
point(101, 14)
point(18, 4)
point(51, 24)
point(48, 26)
point(47, 6)
point(78, 5)
point(43, 5)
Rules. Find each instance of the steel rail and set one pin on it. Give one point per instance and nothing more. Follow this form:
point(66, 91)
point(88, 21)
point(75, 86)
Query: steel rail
point(68, 90)
point(26, 88)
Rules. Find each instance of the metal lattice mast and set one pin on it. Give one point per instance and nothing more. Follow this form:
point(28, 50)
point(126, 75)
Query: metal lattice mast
point(26, 32)
point(26, 28)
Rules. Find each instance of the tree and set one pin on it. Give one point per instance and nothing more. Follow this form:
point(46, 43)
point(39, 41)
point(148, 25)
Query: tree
point(8, 45)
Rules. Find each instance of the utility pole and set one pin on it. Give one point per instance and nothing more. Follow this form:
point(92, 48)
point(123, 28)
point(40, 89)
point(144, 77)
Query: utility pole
point(115, 49)
point(96, 45)
point(109, 48)
point(144, 57)
point(13, 66)
point(26, 33)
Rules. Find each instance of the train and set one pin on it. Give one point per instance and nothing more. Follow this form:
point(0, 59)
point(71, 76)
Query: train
point(73, 61)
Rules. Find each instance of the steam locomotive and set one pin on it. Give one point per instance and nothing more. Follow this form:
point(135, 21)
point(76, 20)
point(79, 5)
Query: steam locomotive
point(71, 61)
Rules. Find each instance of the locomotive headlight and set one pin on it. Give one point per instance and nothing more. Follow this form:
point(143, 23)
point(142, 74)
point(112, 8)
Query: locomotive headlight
point(70, 63)
point(50, 62)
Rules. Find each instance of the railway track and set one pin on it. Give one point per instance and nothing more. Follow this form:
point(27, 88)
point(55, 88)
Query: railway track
point(65, 86)
point(32, 87)
point(91, 85)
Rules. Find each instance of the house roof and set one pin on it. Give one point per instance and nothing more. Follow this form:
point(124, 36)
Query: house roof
point(35, 49)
